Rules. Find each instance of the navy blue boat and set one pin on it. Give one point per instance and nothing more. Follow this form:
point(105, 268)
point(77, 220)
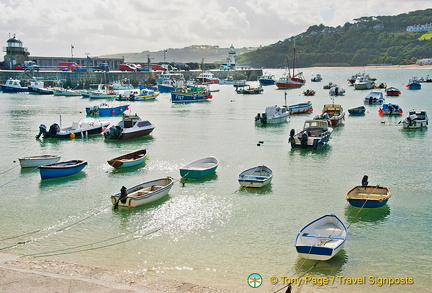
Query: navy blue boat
point(61, 169)
point(357, 110)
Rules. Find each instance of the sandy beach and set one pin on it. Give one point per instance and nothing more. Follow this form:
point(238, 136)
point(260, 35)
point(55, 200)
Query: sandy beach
point(26, 274)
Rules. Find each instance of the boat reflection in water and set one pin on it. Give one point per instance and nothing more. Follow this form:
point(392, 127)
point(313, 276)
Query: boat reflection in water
point(376, 215)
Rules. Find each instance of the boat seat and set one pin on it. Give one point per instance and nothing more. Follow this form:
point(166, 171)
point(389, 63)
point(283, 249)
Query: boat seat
point(254, 177)
point(333, 237)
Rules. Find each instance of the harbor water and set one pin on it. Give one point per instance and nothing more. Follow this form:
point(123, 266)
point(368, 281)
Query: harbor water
point(211, 231)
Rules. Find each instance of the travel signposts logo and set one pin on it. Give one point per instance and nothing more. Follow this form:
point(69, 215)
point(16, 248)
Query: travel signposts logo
point(254, 280)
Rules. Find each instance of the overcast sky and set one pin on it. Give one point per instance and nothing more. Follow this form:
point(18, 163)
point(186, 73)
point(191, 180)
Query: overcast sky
point(99, 27)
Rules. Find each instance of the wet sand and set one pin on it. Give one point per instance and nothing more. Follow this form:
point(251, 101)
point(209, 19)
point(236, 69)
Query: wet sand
point(26, 274)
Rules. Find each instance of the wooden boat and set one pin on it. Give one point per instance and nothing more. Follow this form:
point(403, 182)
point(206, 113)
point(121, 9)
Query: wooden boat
point(333, 113)
point(360, 110)
point(368, 196)
point(416, 119)
point(250, 90)
point(36, 161)
point(392, 91)
point(300, 108)
point(273, 115)
point(309, 92)
point(84, 127)
point(256, 177)
point(143, 193)
point(129, 160)
point(291, 80)
point(390, 109)
point(105, 109)
point(61, 169)
point(190, 94)
point(200, 168)
point(131, 126)
point(315, 134)
point(322, 238)
point(374, 98)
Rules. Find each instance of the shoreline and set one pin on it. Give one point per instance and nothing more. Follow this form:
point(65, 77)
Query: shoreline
point(22, 274)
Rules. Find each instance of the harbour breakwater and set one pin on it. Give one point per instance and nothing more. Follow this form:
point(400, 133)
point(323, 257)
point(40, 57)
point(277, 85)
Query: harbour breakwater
point(84, 80)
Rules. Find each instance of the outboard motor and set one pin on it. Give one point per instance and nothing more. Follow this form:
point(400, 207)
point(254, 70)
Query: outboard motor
point(52, 132)
point(365, 180)
point(42, 131)
point(123, 194)
point(291, 136)
point(113, 132)
point(304, 139)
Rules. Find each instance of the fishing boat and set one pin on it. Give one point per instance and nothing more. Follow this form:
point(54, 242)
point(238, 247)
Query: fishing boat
point(207, 78)
point(333, 113)
point(374, 98)
point(200, 168)
point(309, 92)
point(61, 169)
point(360, 110)
point(250, 90)
point(416, 119)
point(414, 84)
point(322, 238)
point(144, 94)
point(105, 109)
point(13, 86)
point(227, 80)
point(104, 91)
point(190, 94)
point(368, 196)
point(315, 134)
point(131, 126)
point(392, 91)
point(390, 109)
point(291, 80)
point(300, 108)
point(36, 161)
point(336, 91)
point(329, 86)
point(66, 92)
point(273, 115)
point(316, 78)
point(129, 160)
point(141, 194)
point(256, 177)
point(267, 79)
point(84, 127)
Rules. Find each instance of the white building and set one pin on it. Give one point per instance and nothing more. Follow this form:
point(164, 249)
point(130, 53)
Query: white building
point(419, 28)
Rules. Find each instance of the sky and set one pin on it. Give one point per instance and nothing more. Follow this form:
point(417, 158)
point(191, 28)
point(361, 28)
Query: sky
point(101, 27)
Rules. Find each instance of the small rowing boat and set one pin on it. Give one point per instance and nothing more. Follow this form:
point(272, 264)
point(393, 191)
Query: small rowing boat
point(129, 160)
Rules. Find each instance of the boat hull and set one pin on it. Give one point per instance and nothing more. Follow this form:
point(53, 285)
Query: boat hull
point(200, 168)
point(129, 160)
point(182, 98)
point(322, 238)
point(36, 161)
point(256, 177)
point(265, 82)
point(370, 196)
point(144, 193)
point(8, 89)
point(81, 132)
point(300, 108)
point(61, 169)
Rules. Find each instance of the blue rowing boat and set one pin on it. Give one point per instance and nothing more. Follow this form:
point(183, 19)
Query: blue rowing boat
point(105, 109)
point(61, 169)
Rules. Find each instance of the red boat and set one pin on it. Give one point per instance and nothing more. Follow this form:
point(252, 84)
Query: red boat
point(291, 81)
point(392, 91)
point(309, 92)
point(207, 77)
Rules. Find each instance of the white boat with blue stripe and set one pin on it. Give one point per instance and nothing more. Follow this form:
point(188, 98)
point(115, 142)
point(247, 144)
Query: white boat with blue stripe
point(256, 177)
point(322, 238)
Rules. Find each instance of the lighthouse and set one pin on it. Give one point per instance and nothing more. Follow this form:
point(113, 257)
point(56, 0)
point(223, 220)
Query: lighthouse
point(230, 60)
point(16, 54)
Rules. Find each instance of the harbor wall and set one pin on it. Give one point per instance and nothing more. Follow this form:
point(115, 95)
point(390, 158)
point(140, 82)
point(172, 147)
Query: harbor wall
point(85, 80)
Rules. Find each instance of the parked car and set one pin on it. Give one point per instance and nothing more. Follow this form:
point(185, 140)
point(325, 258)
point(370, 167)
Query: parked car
point(182, 66)
point(104, 67)
point(158, 67)
point(66, 66)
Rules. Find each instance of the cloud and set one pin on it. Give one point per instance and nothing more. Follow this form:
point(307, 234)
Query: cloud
point(99, 27)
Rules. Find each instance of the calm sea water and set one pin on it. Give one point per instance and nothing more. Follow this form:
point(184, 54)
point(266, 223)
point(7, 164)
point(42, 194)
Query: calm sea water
point(212, 232)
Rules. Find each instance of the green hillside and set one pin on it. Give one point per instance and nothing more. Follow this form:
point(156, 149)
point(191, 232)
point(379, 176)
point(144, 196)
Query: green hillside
point(368, 40)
